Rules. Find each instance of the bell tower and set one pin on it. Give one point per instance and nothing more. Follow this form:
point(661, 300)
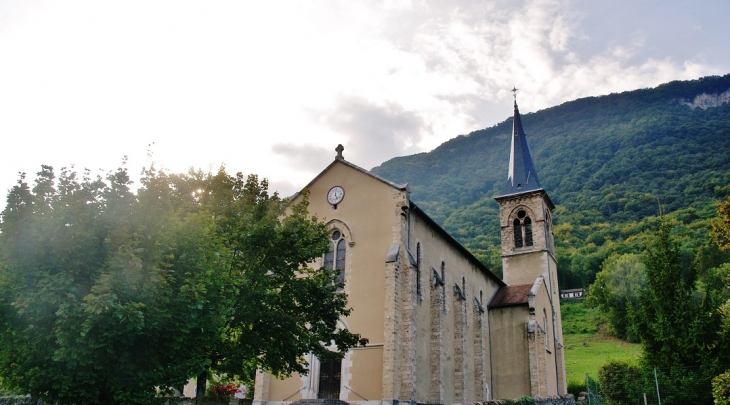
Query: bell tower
point(528, 250)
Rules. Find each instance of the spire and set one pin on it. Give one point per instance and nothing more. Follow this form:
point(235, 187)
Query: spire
point(522, 176)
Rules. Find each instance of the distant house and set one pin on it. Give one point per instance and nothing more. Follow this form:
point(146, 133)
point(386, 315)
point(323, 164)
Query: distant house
point(573, 293)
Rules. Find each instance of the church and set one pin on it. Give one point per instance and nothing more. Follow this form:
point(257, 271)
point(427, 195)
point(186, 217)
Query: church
point(442, 328)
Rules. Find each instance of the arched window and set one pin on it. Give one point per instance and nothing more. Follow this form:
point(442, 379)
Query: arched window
point(340, 264)
point(518, 233)
point(443, 272)
point(443, 280)
point(418, 269)
point(544, 322)
point(528, 231)
point(336, 257)
point(522, 226)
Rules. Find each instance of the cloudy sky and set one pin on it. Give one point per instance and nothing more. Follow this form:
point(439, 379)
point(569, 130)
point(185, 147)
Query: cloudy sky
point(271, 87)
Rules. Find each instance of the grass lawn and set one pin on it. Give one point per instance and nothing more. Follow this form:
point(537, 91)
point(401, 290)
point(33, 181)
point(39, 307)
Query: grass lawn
point(586, 353)
point(587, 346)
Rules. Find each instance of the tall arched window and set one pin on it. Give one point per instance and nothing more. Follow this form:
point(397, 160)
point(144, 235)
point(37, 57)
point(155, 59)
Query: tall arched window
point(336, 257)
point(340, 263)
point(443, 280)
point(528, 231)
point(544, 322)
point(518, 233)
point(522, 226)
point(418, 269)
point(443, 272)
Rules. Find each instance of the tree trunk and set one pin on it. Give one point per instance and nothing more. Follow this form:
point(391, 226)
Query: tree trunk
point(200, 386)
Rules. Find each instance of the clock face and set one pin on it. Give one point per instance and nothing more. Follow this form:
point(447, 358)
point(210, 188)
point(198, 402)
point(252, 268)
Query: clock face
point(335, 195)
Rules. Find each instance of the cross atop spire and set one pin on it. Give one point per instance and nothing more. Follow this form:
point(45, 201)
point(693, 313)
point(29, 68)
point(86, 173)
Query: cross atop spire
point(521, 176)
point(514, 93)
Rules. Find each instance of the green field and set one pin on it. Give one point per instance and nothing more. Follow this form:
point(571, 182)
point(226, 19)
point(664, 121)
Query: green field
point(587, 345)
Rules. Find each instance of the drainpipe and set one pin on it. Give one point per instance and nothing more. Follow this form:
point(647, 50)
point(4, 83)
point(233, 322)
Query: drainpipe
point(489, 328)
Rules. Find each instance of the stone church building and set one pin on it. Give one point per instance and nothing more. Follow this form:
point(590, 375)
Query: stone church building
point(442, 328)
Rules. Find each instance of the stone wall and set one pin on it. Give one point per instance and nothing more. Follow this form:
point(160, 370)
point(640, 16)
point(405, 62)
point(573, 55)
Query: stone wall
point(551, 400)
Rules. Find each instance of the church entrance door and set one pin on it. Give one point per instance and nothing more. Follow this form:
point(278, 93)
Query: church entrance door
point(330, 373)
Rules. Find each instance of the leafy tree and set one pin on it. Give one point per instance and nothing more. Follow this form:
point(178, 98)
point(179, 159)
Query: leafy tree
point(106, 295)
point(616, 290)
point(284, 308)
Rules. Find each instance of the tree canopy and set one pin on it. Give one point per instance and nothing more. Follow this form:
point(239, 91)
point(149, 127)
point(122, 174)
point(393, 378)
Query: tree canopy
point(616, 291)
point(679, 325)
point(107, 296)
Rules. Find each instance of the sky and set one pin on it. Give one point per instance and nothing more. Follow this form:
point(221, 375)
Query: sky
point(272, 87)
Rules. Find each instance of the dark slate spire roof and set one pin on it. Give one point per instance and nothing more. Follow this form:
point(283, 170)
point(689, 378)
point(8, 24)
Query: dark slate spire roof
point(522, 176)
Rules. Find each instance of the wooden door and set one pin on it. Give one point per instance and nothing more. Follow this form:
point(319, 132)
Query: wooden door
point(330, 375)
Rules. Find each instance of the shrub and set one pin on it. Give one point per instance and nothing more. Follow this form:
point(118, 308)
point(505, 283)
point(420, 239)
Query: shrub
point(525, 400)
point(620, 382)
point(721, 388)
point(576, 388)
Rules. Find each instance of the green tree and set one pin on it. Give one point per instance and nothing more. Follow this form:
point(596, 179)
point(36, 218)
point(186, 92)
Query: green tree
point(621, 382)
point(721, 388)
point(105, 296)
point(721, 225)
point(616, 290)
point(679, 331)
point(284, 307)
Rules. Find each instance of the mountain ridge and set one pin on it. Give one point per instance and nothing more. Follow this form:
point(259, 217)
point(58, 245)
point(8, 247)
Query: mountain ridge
point(609, 159)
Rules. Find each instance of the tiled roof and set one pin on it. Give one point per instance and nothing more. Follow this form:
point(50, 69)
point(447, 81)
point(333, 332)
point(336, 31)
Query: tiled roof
point(510, 295)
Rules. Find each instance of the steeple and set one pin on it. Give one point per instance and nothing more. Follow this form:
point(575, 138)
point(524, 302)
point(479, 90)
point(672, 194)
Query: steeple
point(522, 176)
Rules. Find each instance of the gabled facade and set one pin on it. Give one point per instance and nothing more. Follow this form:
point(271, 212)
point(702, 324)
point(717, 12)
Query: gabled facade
point(442, 328)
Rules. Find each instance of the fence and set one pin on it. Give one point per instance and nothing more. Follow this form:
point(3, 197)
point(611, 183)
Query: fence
point(592, 396)
point(675, 386)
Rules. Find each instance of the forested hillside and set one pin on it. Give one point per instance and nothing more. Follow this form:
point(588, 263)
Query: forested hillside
point(607, 163)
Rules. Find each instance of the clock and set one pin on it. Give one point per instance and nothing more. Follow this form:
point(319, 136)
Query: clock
point(335, 195)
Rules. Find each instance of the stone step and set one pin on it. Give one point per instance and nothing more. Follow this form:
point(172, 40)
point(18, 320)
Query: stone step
point(319, 402)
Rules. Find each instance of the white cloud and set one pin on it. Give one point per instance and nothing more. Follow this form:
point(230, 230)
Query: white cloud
point(375, 132)
point(271, 87)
